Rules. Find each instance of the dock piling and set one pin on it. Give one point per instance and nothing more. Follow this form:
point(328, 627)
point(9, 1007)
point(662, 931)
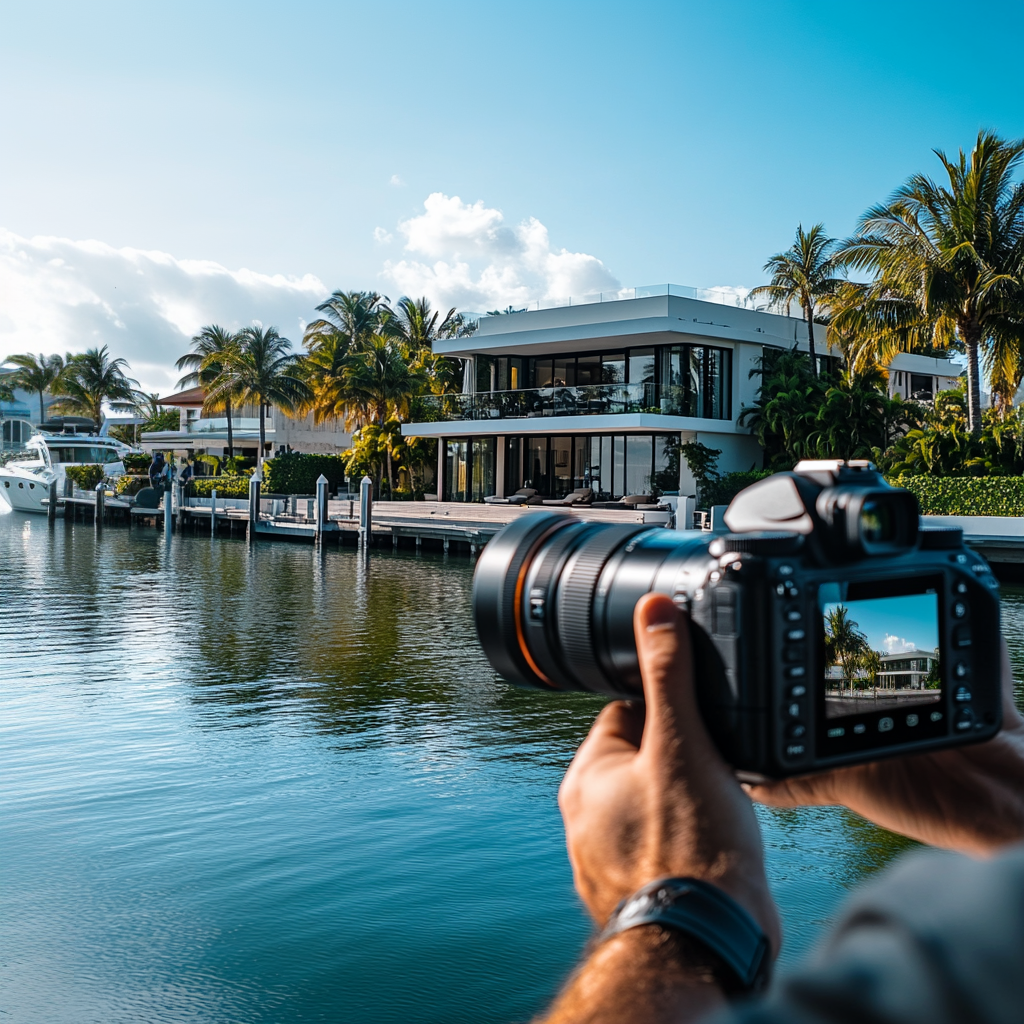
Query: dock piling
point(168, 514)
point(254, 503)
point(321, 507)
point(213, 512)
point(51, 507)
point(366, 511)
point(101, 498)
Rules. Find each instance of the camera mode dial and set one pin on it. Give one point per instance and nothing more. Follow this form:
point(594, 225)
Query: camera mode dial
point(761, 543)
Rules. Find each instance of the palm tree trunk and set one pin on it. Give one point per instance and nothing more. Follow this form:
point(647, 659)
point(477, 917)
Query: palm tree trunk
point(263, 432)
point(971, 336)
point(42, 410)
point(809, 314)
point(231, 443)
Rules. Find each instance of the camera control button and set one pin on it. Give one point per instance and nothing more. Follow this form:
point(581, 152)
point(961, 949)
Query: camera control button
point(961, 637)
point(785, 570)
point(794, 710)
point(961, 671)
point(964, 720)
point(961, 588)
point(794, 615)
point(793, 653)
point(797, 731)
point(795, 750)
point(959, 610)
point(962, 693)
point(912, 720)
point(798, 691)
point(795, 672)
point(885, 724)
point(795, 634)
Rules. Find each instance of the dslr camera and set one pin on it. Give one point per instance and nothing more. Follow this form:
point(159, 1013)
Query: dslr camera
point(827, 628)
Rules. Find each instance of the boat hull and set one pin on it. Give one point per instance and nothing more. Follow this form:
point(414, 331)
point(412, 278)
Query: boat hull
point(24, 495)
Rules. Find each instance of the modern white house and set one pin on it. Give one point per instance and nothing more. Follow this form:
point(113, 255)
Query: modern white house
point(199, 433)
point(907, 671)
point(601, 394)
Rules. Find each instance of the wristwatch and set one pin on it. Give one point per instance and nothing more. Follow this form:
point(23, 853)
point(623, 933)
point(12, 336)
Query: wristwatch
point(705, 913)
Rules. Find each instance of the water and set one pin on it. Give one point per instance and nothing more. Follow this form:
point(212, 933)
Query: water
point(260, 786)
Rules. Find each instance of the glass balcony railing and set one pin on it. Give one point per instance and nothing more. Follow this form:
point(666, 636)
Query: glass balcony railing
point(588, 400)
point(220, 424)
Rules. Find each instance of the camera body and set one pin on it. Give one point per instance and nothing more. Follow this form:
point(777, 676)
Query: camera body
point(827, 628)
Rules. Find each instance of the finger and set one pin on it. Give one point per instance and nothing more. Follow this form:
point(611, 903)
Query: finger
point(616, 730)
point(666, 666)
point(805, 791)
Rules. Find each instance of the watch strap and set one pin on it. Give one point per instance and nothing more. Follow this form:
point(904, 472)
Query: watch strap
point(705, 913)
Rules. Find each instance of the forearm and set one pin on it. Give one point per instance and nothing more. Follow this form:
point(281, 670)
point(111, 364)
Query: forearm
point(647, 974)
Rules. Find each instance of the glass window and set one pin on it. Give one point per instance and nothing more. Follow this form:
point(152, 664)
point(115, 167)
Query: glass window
point(513, 465)
point(536, 468)
point(515, 374)
point(565, 372)
point(613, 369)
point(580, 462)
point(618, 477)
point(457, 472)
point(542, 373)
point(482, 475)
point(607, 469)
point(588, 370)
point(560, 460)
point(641, 366)
point(666, 464)
point(639, 455)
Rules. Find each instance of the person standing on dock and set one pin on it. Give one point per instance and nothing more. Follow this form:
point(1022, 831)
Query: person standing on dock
point(185, 474)
point(157, 468)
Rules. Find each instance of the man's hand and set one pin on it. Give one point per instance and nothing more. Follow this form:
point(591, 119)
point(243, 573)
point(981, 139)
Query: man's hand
point(969, 799)
point(648, 796)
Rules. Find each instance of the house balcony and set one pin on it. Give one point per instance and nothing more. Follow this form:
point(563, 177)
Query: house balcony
point(586, 400)
point(219, 425)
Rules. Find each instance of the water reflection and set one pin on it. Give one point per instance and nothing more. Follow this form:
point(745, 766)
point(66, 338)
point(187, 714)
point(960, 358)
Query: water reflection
point(271, 784)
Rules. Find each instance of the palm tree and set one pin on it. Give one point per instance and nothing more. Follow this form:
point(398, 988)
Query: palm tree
point(417, 324)
point(89, 380)
point(264, 371)
point(214, 349)
point(804, 274)
point(36, 373)
point(957, 249)
point(348, 318)
point(845, 644)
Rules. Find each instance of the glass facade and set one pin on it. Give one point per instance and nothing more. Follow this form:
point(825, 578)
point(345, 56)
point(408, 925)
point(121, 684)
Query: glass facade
point(680, 380)
point(469, 468)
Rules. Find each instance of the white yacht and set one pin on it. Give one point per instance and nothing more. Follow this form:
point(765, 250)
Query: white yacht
point(25, 474)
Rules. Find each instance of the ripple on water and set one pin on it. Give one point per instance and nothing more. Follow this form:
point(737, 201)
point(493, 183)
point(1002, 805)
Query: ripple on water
point(263, 786)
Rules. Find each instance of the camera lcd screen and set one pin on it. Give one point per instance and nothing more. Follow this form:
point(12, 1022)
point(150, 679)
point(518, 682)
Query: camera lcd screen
point(881, 653)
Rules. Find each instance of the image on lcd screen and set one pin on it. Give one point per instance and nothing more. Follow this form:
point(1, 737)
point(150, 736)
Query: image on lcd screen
point(881, 653)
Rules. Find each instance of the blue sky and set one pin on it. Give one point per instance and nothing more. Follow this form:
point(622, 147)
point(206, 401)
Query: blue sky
point(893, 625)
point(651, 142)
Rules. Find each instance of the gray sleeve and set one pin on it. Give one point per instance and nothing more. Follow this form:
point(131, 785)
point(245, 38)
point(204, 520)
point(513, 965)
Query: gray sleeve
point(938, 938)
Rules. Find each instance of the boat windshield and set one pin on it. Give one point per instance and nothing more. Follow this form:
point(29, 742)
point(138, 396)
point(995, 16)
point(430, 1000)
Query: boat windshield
point(88, 454)
point(27, 458)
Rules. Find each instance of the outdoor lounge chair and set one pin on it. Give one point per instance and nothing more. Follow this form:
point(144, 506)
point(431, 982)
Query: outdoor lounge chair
point(581, 496)
point(148, 497)
point(630, 501)
point(524, 496)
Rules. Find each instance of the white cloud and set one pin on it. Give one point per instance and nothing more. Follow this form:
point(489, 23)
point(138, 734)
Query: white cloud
point(381, 236)
point(61, 295)
point(897, 645)
point(396, 181)
point(471, 259)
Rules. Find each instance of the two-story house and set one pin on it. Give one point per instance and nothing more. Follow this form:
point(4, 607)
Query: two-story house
point(601, 395)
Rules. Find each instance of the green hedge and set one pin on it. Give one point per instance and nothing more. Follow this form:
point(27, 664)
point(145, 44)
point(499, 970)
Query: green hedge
point(297, 473)
point(966, 495)
point(227, 486)
point(722, 490)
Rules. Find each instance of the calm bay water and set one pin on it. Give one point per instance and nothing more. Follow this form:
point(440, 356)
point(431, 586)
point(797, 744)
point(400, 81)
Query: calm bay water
point(261, 785)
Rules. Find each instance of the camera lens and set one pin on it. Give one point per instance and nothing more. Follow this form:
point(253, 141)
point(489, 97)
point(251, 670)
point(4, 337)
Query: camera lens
point(553, 598)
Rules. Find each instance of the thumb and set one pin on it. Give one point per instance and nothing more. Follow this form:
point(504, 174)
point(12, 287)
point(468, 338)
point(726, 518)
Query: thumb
point(666, 666)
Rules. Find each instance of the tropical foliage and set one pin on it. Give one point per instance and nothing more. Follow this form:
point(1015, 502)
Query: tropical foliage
point(36, 373)
point(91, 380)
point(210, 364)
point(833, 415)
point(298, 472)
point(846, 646)
point(965, 496)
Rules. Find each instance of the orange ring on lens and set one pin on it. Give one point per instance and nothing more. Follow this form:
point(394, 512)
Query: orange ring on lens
point(517, 606)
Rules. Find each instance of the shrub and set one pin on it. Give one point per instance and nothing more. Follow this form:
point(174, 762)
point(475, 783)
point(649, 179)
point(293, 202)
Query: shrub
point(85, 477)
point(227, 486)
point(966, 496)
point(138, 462)
point(721, 490)
point(297, 472)
point(130, 484)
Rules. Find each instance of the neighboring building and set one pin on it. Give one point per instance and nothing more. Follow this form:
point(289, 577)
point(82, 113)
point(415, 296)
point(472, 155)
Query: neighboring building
point(921, 378)
point(199, 433)
point(601, 394)
point(908, 671)
point(20, 417)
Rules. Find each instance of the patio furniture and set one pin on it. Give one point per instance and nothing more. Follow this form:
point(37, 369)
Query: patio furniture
point(524, 496)
point(630, 501)
point(581, 496)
